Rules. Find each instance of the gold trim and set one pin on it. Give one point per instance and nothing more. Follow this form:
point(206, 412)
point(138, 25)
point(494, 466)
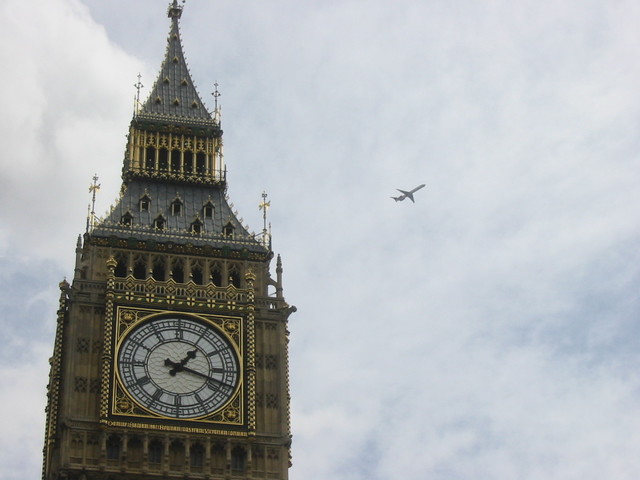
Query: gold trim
point(127, 318)
point(175, 428)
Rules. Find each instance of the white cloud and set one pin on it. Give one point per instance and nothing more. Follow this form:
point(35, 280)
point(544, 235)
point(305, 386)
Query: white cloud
point(487, 331)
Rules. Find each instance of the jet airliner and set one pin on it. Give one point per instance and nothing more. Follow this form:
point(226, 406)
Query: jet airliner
point(408, 194)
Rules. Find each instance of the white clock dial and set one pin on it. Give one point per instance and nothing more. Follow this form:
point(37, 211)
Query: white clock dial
point(178, 367)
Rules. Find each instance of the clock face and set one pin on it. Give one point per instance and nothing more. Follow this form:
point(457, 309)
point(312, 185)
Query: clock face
point(178, 367)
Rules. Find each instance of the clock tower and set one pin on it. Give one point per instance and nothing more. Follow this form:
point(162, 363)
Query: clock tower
point(170, 356)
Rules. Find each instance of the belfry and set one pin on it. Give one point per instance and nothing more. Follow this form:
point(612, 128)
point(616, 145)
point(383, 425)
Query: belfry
point(170, 357)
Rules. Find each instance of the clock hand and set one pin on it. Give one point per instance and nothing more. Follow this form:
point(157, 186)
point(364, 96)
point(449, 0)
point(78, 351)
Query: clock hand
point(178, 367)
point(191, 354)
point(203, 375)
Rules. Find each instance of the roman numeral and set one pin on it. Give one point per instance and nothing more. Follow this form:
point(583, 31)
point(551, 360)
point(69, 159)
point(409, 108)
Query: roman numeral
point(156, 396)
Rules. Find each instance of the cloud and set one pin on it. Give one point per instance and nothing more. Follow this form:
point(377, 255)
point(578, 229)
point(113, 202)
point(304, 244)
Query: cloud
point(64, 104)
point(487, 331)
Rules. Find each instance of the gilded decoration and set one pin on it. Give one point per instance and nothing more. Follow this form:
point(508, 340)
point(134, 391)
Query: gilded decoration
point(127, 319)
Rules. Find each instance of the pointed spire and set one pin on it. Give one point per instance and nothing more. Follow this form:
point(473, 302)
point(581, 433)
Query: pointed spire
point(174, 96)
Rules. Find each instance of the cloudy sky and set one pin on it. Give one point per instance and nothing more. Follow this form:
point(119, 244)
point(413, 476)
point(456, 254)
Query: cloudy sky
point(489, 331)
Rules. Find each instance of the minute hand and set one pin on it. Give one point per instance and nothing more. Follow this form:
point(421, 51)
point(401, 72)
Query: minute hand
point(204, 375)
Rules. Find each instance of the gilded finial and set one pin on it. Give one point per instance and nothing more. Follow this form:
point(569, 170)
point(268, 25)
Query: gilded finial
point(93, 188)
point(264, 206)
point(216, 109)
point(174, 10)
point(138, 86)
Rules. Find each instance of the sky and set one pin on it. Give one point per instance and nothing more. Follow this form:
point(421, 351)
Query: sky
point(489, 331)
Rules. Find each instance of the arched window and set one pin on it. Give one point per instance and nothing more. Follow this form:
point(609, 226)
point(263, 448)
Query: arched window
point(176, 207)
point(234, 276)
point(218, 458)
point(155, 452)
point(76, 448)
point(196, 457)
point(126, 219)
point(150, 160)
point(159, 222)
point(175, 161)
point(207, 210)
point(227, 231)
point(121, 265)
point(177, 271)
point(93, 449)
point(201, 162)
point(215, 274)
point(113, 447)
point(159, 271)
point(140, 268)
point(188, 161)
point(144, 203)
point(134, 452)
point(238, 459)
point(197, 226)
point(163, 160)
point(176, 455)
point(196, 273)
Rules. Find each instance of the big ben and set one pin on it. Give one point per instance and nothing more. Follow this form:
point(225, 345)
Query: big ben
point(170, 356)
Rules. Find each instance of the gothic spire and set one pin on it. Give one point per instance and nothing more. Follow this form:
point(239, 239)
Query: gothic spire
point(174, 97)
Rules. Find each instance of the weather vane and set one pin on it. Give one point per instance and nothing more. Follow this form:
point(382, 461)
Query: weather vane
point(138, 86)
point(264, 206)
point(93, 188)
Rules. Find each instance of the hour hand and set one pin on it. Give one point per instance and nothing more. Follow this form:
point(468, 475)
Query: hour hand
point(175, 367)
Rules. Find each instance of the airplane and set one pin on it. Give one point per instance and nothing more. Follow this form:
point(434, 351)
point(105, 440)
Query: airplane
point(408, 195)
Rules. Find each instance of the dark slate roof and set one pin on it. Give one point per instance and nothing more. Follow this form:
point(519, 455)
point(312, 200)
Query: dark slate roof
point(174, 96)
point(178, 227)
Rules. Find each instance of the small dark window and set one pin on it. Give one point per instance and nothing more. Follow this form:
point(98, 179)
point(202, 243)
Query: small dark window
point(216, 277)
point(158, 271)
point(175, 160)
point(234, 279)
point(207, 211)
point(151, 159)
point(197, 456)
point(126, 219)
point(163, 160)
point(176, 208)
point(121, 266)
point(200, 162)
point(159, 223)
point(196, 275)
point(196, 227)
point(177, 273)
point(113, 448)
point(140, 269)
point(155, 452)
point(238, 459)
point(228, 230)
point(188, 161)
point(145, 204)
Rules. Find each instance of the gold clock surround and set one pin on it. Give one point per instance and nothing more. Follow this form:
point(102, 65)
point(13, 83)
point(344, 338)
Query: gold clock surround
point(126, 411)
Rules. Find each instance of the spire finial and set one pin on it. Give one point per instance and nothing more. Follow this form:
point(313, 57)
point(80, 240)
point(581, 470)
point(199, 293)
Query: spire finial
point(174, 10)
point(138, 86)
point(93, 188)
point(264, 206)
point(216, 110)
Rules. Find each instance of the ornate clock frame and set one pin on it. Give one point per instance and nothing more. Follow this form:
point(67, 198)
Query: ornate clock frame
point(131, 302)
